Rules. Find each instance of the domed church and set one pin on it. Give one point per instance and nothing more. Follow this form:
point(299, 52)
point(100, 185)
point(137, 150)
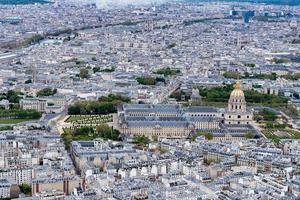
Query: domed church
point(176, 121)
point(237, 112)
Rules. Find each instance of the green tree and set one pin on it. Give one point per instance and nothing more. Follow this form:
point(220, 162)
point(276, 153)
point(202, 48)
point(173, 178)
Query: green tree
point(46, 92)
point(268, 115)
point(155, 138)
point(12, 96)
point(28, 81)
point(104, 105)
point(96, 69)
point(106, 132)
point(167, 71)
point(112, 69)
point(25, 188)
point(84, 73)
point(103, 129)
point(86, 130)
point(208, 136)
point(232, 74)
point(141, 140)
point(146, 80)
point(280, 60)
point(249, 135)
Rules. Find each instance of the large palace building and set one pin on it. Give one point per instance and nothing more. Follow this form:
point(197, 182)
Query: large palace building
point(175, 121)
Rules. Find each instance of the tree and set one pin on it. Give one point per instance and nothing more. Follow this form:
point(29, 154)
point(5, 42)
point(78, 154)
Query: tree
point(25, 188)
point(112, 69)
point(103, 129)
point(146, 80)
point(249, 135)
point(296, 95)
point(12, 96)
point(28, 81)
point(141, 140)
point(74, 110)
point(163, 150)
point(155, 138)
point(84, 73)
point(104, 105)
point(46, 92)
point(268, 115)
point(106, 132)
point(86, 130)
point(96, 69)
point(208, 136)
point(280, 60)
point(249, 64)
point(232, 74)
point(167, 71)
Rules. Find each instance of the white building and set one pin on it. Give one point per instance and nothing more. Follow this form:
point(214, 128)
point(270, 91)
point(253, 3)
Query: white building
point(4, 188)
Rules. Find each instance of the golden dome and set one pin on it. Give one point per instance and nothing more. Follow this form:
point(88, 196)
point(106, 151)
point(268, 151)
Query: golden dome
point(237, 92)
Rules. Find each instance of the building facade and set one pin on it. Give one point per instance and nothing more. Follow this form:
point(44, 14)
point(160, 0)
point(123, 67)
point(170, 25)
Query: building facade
point(175, 121)
point(50, 104)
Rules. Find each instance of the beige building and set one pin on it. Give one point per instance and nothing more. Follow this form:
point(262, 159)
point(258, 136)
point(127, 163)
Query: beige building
point(44, 104)
point(34, 104)
point(175, 121)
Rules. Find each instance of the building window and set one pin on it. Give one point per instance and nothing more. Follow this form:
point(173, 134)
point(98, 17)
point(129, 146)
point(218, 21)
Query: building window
point(239, 116)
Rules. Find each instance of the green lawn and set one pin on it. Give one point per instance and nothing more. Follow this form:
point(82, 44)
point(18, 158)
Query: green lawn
point(73, 118)
point(290, 134)
point(90, 119)
point(13, 121)
point(6, 128)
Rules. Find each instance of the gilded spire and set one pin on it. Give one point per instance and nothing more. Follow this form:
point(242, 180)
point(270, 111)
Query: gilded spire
point(237, 85)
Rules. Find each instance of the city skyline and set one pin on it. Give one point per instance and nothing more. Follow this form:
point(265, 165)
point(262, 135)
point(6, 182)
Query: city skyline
point(135, 100)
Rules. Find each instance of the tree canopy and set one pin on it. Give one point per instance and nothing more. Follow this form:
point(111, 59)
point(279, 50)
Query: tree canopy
point(146, 80)
point(84, 73)
point(167, 71)
point(25, 188)
point(221, 94)
point(141, 140)
point(46, 92)
point(104, 105)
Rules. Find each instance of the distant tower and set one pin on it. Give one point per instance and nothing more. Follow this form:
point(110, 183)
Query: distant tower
point(33, 69)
